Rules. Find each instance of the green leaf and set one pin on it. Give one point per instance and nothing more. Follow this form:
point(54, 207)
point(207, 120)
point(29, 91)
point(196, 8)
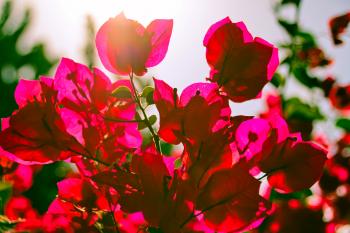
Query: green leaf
point(291, 28)
point(147, 93)
point(278, 80)
point(296, 195)
point(295, 2)
point(307, 40)
point(166, 148)
point(122, 92)
point(344, 124)
point(301, 74)
point(152, 119)
point(142, 125)
point(295, 108)
point(5, 193)
point(177, 163)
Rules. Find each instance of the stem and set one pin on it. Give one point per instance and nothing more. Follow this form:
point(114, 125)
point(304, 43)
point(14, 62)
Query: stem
point(88, 157)
point(121, 120)
point(294, 42)
point(146, 120)
point(204, 210)
point(112, 213)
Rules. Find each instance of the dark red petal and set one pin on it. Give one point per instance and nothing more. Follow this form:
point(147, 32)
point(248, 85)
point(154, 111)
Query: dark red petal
point(298, 166)
point(231, 202)
point(152, 172)
point(338, 25)
point(167, 103)
point(241, 65)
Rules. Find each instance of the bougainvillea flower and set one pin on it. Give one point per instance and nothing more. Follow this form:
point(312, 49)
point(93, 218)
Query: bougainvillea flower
point(79, 88)
point(273, 104)
point(82, 193)
point(292, 165)
point(89, 110)
point(42, 137)
point(63, 216)
point(252, 134)
point(19, 207)
point(130, 222)
point(195, 115)
point(294, 216)
point(230, 201)
point(142, 190)
point(239, 64)
point(148, 188)
point(7, 166)
point(327, 85)
point(340, 97)
point(21, 178)
point(338, 25)
point(125, 46)
point(314, 57)
point(214, 154)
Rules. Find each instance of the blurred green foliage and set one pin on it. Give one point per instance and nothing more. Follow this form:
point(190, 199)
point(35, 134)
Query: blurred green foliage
point(14, 63)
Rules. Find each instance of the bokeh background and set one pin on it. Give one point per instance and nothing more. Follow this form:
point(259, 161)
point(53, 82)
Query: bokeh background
point(61, 24)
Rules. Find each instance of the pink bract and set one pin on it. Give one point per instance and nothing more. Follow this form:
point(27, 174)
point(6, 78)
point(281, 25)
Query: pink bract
point(125, 46)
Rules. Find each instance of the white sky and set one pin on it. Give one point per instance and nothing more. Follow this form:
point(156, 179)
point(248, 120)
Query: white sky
point(61, 23)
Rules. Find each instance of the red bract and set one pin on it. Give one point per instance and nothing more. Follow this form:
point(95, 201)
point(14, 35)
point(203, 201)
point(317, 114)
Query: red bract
point(125, 46)
point(21, 178)
point(142, 190)
point(290, 164)
point(7, 165)
point(198, 112)
point(293, 216)
point(239, 64)
point(20, 208)
point(65, 217)
point(230, 201)
point(82, 193)
point(130, 222)
point(338, 25)
point(36, 132)
point(340, 97)
point(92, 114)
point(293, 166)
point(212, 155)
point(314, 57)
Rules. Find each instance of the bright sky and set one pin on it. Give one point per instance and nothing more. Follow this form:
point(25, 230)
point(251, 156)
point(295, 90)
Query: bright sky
point(61, 23)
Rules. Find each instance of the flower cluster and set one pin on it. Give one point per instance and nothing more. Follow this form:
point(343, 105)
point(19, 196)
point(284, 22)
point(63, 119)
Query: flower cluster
point(218, 181)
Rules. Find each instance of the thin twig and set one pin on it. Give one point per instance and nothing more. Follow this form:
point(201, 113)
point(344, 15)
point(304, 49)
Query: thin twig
point(146, 120)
